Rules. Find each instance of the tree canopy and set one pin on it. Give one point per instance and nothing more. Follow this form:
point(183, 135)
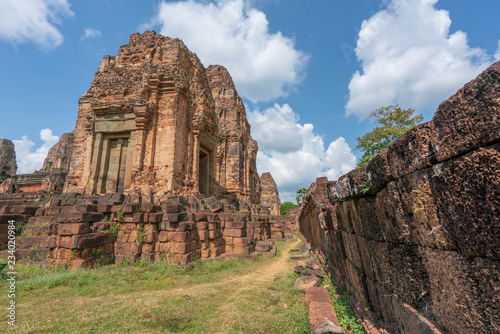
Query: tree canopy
point(394, 123)
point(301, 192)
point(287, 206)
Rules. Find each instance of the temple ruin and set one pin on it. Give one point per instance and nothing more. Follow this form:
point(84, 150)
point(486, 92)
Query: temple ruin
point(147, 124)
point(236, 170)
point(8, 166)
point(59, 156)
point(269, 195)
point(161, 154)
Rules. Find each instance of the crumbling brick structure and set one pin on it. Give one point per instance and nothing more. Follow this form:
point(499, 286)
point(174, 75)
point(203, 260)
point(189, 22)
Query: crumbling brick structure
point(162, 167)
point(59, 156)
point(270, 196)
point(236, 170)
point(147, 124)
point(52, 176)
point(84, 230)
point(8, 165)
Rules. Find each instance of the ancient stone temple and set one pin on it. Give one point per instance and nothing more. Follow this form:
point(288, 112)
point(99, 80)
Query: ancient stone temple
point(59, 156)
point(236, 169)
point(160, 166)
point(8, 166)
point(147, 124)
point(270, 196)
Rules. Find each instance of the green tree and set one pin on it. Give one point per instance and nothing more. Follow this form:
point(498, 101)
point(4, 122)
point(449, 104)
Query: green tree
point(301, 192)
point(287, 206)
point(394, 123)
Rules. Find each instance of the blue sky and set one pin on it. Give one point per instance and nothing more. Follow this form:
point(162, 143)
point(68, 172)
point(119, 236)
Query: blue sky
point(310, 72)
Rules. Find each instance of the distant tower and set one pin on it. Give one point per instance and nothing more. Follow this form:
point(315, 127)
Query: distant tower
point(8, 166)
point(269, 195)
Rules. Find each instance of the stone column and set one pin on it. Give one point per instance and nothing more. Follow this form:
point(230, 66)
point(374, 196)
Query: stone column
point(96, 163)
point(196, 161)
point(130, 160)
point(114, 168)
point(104, 164)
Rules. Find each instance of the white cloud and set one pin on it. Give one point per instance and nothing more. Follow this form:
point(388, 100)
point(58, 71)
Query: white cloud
point(293, 154)
point(33, 21)
point(264, 65)
point(497, 54)
point(30, 158)
point(410, 58)
point(90, 33)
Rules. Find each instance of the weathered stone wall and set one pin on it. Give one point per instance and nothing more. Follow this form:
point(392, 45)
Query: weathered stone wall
point(236, 169)
point(269, 195)
point(316, 214)
point(292, 220)
point(8, 165)
point(83, 230)
point(414, 236)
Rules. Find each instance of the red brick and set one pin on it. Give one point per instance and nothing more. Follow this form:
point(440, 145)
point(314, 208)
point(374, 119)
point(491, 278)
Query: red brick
point(180, 247)
point(74, 218)
point(163, 236)
point(155, 217)
point(317, 294)
point(73, 229)
point(203, 234)
point(232, 232)
point(179, 236)
point(319, 311)
point(91, 240)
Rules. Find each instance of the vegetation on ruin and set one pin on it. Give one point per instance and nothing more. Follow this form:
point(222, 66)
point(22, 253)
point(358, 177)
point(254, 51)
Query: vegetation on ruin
point(287, 206)
point(345, 315)
point(343, 310)
point(394, 123)
point(224, 296)
point(300, 193)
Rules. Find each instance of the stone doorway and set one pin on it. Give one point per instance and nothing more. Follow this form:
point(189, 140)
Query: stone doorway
point(204, 172)
point(114, 175)
point(111, 160)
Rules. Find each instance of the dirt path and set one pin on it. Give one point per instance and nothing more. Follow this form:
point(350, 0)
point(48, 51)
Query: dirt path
point(264, 274)
point(233, 290)
point(253, 281)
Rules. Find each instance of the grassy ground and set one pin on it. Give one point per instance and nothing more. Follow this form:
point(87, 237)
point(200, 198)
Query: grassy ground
point(230, 296)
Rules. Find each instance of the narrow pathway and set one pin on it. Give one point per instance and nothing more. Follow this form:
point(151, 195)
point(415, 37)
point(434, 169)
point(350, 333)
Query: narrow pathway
point(256, 280)
point(235, 289)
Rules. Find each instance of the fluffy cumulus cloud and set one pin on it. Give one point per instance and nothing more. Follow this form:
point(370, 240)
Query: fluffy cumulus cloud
point(409, 57)
point(292, 153)
point(29, 157)
point(264, 65)
point(33, 21)
point(90, 33)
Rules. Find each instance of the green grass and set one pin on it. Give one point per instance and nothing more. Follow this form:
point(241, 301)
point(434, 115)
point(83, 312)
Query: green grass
point(212, 297)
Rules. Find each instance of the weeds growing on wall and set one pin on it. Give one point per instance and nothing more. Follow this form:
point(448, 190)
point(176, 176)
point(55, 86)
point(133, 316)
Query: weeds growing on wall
point(345, 315)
